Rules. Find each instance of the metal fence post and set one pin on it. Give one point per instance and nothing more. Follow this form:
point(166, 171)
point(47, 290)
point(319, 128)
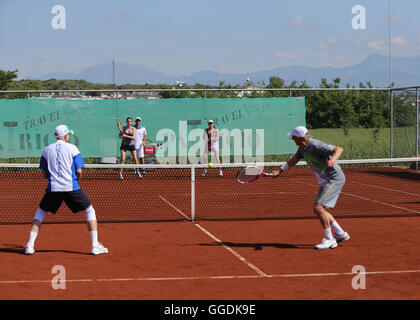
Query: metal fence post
point(417, 122)
point(391, 145)
point(193, 194)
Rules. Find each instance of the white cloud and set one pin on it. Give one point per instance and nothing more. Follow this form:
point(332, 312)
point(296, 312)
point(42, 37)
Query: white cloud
point(394, 18)
point(399, 41)
point(286, 55)
point(109, 50)
point(328, 44)
point(298, 21)
point(225, 69)
point(49, 62)
point(382, 44)
point(379, 45)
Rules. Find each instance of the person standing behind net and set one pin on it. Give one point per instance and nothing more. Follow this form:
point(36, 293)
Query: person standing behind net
point(140, 141)
point(62, 163)
point(128, 136)
point(211, 138)
point(322, 159)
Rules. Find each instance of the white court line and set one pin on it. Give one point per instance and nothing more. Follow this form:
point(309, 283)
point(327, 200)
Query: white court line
point(393, 190)
point(380, 202)
point(249, 264)
point(329, 274)
point(364, 198)
point(175, 208)
point(237, 255)
point(249, 193)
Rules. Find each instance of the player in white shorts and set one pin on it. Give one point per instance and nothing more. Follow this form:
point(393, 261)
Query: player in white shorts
point(62, 163)
point(140, 141)
point(211, 138)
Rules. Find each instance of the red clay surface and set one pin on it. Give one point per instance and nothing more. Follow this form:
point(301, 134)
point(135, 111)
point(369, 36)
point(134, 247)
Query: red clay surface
point(179, 261)
point(259, 259)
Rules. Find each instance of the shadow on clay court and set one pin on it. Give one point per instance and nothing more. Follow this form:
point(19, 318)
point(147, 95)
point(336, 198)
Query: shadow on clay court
point(260, 246)
point(18, 249)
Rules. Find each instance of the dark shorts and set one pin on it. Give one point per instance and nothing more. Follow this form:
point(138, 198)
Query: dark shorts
point(128, 147)
point(75, 200)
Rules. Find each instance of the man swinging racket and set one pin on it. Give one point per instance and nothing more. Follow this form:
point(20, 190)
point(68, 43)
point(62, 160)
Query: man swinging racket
point(322, 159)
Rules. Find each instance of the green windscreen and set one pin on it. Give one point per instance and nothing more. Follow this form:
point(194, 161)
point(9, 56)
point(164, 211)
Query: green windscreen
point(248, 127)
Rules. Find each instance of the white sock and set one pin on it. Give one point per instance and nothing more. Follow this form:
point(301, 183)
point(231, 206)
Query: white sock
point(328, 233)
point(32, 237)
point(94, 237)
point(337, 228)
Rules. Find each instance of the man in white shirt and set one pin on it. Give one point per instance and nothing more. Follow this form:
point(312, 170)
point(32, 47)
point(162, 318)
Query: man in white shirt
point(140, 141)
point(62, 163)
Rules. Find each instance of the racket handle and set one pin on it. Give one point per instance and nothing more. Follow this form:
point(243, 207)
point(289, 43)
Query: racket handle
point(268, 174)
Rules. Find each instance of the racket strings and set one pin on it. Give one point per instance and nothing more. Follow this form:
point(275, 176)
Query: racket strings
point(248, 174)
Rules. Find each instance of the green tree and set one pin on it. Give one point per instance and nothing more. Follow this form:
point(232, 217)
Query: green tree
point(6, 79)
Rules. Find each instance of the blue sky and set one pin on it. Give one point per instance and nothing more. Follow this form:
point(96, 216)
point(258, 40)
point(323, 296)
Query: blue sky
point(186, 36)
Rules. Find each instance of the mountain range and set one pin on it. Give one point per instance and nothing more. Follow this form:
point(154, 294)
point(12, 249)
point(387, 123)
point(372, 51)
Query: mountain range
point(375, 68)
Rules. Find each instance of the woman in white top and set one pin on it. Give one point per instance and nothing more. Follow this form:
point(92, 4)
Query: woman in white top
point(211, 138)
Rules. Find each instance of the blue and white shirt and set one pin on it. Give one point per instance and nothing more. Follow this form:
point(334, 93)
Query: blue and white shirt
point(61, 160)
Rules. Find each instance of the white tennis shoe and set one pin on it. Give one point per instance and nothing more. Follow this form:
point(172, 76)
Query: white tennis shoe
point(99, 249)
point(121, 176)
point(221, 173)
point(29, 249)
point(203, 173)
point(341, 238)
point(327, 244)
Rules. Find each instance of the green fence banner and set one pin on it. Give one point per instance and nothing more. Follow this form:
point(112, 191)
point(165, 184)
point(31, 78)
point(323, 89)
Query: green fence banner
point(249, 127)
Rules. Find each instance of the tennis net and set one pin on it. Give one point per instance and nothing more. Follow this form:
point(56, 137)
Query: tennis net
point(374, 188)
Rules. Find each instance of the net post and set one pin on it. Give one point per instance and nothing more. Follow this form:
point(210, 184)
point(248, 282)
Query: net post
point(193, 194)
point(417, 122)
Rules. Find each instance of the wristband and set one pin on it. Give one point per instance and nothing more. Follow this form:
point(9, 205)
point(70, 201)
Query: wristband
point(284, 167)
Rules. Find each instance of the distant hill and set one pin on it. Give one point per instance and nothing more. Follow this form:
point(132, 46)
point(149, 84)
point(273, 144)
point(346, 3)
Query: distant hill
point(405, 72)
point(102, 73)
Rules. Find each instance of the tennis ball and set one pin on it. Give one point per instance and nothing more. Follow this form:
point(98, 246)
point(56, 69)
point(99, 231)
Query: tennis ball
point(210, 165)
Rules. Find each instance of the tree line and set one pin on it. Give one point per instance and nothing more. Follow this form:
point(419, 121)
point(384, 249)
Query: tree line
point(324, 109)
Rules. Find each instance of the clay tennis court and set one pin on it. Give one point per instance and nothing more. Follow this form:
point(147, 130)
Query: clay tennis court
point(251, 241)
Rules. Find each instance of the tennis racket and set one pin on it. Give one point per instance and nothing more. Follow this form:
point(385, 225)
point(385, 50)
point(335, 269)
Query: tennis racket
point(119, 125)
point(250, 174)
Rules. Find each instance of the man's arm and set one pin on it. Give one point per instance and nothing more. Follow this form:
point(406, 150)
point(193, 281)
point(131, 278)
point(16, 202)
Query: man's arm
point(337, 153)
point(45, 173)
point(217, 135)
point(79, 173)
point(290, 163)
point(145, 138)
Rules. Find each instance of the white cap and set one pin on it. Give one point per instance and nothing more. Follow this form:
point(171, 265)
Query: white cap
point(298, 132)
point(62, 130)
point(210, 121)
point(138, 118)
